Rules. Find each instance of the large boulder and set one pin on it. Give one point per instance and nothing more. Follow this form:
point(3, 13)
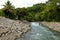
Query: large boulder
point(12, 29)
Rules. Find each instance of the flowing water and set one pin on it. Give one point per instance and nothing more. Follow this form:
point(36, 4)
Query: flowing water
point(39, 32)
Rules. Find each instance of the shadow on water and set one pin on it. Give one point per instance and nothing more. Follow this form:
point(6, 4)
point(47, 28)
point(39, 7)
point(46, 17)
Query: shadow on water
point(40, 32)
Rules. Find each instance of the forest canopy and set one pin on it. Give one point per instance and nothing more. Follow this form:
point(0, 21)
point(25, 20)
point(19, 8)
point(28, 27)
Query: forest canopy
point(49, 11)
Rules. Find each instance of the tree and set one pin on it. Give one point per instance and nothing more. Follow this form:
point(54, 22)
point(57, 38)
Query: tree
point(9, 10)
point(21, 13)
point(55, 1)
point(36, 8)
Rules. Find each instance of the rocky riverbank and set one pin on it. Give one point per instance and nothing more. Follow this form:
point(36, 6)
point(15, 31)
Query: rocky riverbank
point(12, 29)
point(52, 25)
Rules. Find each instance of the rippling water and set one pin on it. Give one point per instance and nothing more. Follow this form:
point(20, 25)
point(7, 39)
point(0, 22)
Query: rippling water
point(38, 32)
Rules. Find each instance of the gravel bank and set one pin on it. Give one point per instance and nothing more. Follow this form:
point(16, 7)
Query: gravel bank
point(12, 29)
point(52, 25)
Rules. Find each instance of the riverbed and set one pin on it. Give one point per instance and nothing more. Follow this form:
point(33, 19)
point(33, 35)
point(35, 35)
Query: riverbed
point(52, 25)
point(39, 32)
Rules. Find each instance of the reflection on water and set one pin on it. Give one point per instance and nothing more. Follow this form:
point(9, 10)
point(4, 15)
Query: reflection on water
point(38, 32)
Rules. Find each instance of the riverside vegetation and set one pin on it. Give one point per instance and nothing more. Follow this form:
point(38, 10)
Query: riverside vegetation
point(49, 11)
point(13, 29)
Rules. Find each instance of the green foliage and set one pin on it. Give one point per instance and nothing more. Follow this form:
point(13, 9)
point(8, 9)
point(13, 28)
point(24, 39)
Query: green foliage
point(36, 8)
point(55, 1)
point(29, 17)
point(9, 10)
point(1, 13)
point(49, 11)
point(8, 5)
point(21, 13)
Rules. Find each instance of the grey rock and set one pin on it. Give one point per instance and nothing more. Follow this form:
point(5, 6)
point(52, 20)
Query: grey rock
point(12, 29)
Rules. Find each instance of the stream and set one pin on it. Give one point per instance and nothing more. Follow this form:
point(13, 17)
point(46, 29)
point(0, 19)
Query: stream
point(39, 32)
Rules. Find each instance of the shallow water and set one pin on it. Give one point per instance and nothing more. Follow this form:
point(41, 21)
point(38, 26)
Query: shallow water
point(39, 32)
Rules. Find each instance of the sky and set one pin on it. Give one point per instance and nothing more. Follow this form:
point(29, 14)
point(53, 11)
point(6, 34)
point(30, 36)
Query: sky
point(22, 3)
